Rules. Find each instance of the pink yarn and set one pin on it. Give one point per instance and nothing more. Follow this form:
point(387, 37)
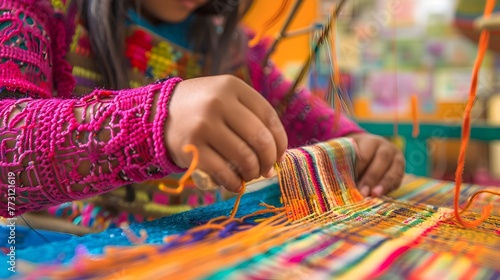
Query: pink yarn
point(46, 143)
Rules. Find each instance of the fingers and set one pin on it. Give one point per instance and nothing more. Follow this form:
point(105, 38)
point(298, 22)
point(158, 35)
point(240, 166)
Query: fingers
point(259, 106)
point(380, 164)
point(237, 153)
point(258, 136)
point(365, 158)
point(237, 132)
point(394, 176)
point(219, 169)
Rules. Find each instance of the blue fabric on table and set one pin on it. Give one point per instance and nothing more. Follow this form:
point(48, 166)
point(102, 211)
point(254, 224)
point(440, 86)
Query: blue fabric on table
point(157, 229)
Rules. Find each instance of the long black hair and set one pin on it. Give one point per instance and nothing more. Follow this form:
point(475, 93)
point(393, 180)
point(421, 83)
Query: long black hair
point(105, 21)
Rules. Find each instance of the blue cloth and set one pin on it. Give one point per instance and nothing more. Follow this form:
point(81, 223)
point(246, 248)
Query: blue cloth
point(64, 251)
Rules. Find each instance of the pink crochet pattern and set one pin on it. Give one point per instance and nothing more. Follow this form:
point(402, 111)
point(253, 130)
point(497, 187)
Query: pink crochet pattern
point(60, 149)
point(56, 147)
point(59, 157)
point(33, 44)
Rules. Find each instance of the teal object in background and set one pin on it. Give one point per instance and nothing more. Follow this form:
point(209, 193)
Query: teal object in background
point(416, 149)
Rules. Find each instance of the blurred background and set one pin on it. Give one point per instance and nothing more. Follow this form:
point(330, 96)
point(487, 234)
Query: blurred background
point(391, 50)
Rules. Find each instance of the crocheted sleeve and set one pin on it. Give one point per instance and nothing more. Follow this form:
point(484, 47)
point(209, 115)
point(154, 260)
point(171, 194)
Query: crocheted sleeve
point(306, 117)
point(55, 150)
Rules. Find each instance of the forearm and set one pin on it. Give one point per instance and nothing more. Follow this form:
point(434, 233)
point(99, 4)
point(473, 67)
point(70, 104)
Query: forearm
point(65, 150)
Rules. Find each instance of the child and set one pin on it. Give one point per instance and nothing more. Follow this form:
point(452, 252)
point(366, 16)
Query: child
point(86, 107)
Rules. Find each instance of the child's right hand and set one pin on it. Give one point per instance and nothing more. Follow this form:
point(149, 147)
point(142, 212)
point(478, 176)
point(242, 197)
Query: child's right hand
point(237, 132)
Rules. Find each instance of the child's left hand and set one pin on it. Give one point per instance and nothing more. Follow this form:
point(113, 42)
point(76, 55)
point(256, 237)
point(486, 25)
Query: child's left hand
point(380, 166)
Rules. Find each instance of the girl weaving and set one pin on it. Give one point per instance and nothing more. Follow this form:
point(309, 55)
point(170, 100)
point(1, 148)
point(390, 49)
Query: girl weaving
point(86, 109)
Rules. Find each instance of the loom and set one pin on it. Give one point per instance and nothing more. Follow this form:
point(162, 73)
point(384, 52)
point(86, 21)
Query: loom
point(312, 223)
point(322, 229)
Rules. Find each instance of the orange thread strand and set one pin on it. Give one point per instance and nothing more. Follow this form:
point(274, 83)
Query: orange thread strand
point(414, 115)
point(134, 239)
point(475, 196)
point(482, 47)
point(185, 177)
point(238, 199)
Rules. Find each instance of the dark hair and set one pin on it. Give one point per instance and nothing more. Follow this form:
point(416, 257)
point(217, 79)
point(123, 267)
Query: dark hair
point(105, 22)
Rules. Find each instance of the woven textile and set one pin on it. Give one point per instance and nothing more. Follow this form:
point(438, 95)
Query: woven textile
point(410, 234)
point(46, 53)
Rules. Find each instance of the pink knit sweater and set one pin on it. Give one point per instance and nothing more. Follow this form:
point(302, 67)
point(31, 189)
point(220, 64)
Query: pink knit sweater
point(52, 147)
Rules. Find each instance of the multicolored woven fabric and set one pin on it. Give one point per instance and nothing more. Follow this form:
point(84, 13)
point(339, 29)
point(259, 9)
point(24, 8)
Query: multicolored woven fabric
point(48, 72)
point(411, 234)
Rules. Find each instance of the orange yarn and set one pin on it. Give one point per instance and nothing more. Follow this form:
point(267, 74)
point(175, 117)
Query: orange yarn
point(482, 47)
point(185, 177)
point(132, 237)
point(414, 115)
point(180, 188)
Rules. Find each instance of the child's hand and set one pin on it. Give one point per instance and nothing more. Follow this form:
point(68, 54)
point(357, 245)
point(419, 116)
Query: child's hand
point(380, 167)
point(237, 132)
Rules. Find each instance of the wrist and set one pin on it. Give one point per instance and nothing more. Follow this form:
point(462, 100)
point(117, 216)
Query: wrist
point(160, 111)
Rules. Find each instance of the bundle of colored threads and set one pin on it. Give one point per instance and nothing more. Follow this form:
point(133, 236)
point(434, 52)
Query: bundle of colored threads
point(321, 229)
point(311, 183)
point(313, 180)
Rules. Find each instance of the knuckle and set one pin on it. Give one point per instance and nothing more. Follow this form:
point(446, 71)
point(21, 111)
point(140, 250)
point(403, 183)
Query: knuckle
point(273, 120)
point(396, 185)
point(394, 180)
point(233, 165)
point(249, 168)
point(400, 166)
point(249, 177)
point(215, 101)
point(385, 153)
point(227, 80)
point(389, 180)
point(244, 150)
point(222, 177)
point(401, 171)
point(267, 159)
point(226, 178)
point(200, 125)
point(234, 183)
point(400, 160)
point(264, 138)
point(263, 142)
point(370, 179)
